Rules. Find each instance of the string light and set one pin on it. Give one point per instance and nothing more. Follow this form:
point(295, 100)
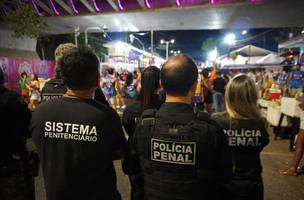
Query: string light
point(54, 7)
point(97, 9)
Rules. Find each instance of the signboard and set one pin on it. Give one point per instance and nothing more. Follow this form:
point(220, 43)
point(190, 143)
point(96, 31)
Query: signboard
point(13, 67)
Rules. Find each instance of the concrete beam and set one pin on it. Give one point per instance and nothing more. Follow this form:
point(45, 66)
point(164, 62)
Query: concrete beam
point(44, 7)
point(65, 6)
point(142, 3)
point(114, 6)
point(87, 5)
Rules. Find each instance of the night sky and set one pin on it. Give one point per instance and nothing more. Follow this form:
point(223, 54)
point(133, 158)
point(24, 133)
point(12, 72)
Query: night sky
point(190, 42)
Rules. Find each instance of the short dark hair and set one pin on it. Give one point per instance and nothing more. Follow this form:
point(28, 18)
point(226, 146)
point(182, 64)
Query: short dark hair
point(79, 68)
point(23, 74)
point(178, 75)
point(129, 79)
point(110, 71)
point(36, 77)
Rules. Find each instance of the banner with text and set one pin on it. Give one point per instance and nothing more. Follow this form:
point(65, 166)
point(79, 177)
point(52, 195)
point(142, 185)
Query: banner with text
point(13, 67)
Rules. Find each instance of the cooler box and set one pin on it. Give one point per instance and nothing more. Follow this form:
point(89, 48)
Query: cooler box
point(274, 94)
point(290, 107)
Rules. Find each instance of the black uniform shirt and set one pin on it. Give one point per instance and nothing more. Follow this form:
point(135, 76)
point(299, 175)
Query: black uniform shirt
point(55, 88)
point(76, 139)
point(246, 139)
point(174, 157)
point(134, 111)
point(14, 122)
point(219, 85)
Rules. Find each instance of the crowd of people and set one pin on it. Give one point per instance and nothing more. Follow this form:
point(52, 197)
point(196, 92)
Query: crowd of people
point(183, 134)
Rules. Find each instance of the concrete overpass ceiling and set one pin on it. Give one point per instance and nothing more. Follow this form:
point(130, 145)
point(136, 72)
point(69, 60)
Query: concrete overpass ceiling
point(271, 14)
point(63, 16)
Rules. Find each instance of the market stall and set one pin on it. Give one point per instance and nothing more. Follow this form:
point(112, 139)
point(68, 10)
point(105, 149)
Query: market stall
point(290, 107)
point(250, 57)
point(127, 57)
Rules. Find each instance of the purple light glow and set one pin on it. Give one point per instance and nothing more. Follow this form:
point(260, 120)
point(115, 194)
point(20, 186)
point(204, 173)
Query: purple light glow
point(120, 5)
point(178, 3)
point(148, 4)
point(54, 8)
point(256, 1)
point(73, 6)
point(36, 8)
point(97, 9)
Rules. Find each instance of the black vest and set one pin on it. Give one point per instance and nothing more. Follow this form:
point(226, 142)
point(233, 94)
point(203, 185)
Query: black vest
point(177, 160)
point(53, 89)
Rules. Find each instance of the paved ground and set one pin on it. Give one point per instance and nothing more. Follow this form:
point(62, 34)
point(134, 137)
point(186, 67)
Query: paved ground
point(274, 157)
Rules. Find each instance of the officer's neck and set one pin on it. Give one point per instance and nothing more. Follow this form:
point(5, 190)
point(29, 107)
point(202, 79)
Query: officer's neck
point(80, 94)
point(178, 99)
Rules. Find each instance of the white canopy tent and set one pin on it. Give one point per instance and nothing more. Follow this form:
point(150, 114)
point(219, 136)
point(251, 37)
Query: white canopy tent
point(252, 51)
point(271, 59)
point(250, 57)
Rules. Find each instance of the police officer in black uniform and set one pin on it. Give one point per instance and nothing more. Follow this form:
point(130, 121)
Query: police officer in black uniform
point(76, 136)
point(180, 152)
point(16, 181)
point(55, 88)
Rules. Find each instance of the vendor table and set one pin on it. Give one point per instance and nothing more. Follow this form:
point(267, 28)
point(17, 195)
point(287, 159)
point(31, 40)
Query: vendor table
point(274, 115)
point(290, 107)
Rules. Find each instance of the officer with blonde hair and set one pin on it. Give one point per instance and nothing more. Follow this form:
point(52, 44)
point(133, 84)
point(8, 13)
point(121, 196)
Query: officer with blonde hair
point(247, 136)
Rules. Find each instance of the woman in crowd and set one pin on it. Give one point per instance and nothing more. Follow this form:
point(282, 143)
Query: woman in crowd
point(23, 86)
point(137, 76)
point(120, 92)
point(35, 92)
point(207, 92)
point(267, 83)
point(197, 99)
point(247, 136)
point(147, 98)
point(108, 85)
point(131, 89)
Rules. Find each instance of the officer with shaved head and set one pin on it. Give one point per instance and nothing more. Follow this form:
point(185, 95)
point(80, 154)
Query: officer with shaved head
point(180, 153)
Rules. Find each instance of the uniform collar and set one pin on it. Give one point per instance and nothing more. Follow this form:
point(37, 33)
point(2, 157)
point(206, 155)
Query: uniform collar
point(177, 106)
point(175, 112)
